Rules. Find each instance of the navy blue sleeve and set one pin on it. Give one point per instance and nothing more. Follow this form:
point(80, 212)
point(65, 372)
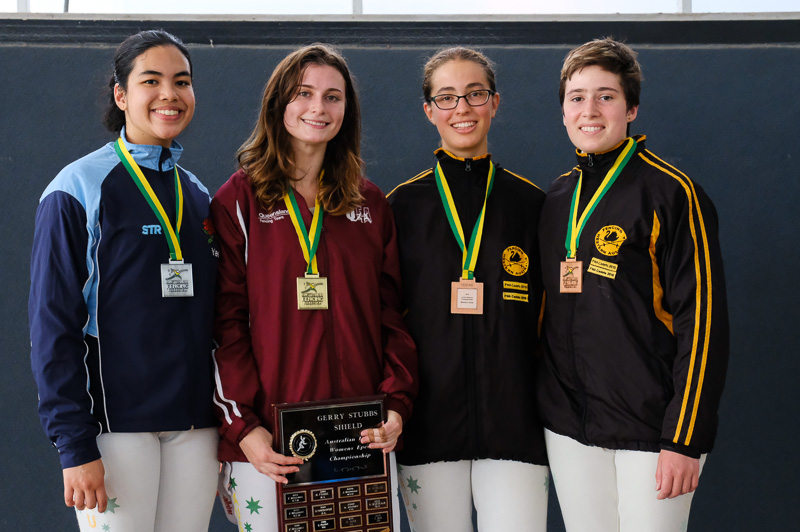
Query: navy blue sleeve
point(58, 314)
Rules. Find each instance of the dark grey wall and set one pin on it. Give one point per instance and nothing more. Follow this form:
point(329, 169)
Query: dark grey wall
point(719, 101)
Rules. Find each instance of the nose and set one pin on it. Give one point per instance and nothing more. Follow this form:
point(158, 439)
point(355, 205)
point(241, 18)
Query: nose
point(168, 92)
point(590, 107)
point(461, 105)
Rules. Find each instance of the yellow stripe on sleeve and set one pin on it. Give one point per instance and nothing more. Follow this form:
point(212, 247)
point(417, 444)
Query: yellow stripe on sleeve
point(693, 205)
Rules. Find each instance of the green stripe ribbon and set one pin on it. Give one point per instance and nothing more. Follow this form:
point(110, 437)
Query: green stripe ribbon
point(469, 252)
point(173, 236)
point(575, 227)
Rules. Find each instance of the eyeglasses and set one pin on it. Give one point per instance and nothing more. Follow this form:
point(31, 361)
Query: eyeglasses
point(445, 102)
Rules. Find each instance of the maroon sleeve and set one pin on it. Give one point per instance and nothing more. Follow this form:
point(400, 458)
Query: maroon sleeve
point(237, 384)
point(400, 379)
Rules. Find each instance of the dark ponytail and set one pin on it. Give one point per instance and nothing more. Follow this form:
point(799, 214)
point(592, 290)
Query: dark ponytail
point(124, 58)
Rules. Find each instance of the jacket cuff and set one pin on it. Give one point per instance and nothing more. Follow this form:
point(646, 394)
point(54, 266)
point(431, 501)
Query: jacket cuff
point(685, 450)
point(239, 428)
point(398, 406)
point(79, 453)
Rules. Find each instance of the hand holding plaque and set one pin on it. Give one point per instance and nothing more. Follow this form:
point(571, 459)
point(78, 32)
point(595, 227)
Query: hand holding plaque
point(385, 436)
point(257, 447)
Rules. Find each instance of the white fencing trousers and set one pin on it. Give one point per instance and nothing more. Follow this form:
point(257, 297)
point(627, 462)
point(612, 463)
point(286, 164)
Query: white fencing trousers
point(507, 495)
point(156, 481)
point(254, 497)
point(606, 490)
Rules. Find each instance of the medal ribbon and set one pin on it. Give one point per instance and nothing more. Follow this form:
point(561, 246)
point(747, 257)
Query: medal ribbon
point(173, 236)
point(309, 246)
point(576, 226)
point(470, 252)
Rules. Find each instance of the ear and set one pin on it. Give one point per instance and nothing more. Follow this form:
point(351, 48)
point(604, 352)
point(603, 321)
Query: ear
point(495, 103)
point(631, 115)
point(429, 112)
point(119, 97)
point(563, 117)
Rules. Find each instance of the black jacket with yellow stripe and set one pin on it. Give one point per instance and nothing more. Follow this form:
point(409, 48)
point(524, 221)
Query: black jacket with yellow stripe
point(638, 359)
point(477, 372)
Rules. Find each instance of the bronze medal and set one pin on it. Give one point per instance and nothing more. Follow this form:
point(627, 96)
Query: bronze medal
point(466, 297)
point(571, 276)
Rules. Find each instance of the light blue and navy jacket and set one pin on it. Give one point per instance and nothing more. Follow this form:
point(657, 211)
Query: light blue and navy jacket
point(108, 353)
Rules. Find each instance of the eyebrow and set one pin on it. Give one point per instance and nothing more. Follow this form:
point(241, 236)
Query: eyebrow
point(599, 89)
point(307, 86)
point(469, 87)
point(157, 73)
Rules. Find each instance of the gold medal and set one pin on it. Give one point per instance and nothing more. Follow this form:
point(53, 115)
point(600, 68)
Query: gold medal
point(312, 292)
point(466, 297)
point(571, 274)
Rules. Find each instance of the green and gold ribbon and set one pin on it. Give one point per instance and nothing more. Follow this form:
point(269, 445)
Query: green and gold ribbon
point(173, 235)
point(469, 251)
point(575, 227)
point(308, 245)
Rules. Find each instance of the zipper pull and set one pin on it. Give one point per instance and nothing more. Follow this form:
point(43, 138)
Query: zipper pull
point(469, 165)
point(590, 163)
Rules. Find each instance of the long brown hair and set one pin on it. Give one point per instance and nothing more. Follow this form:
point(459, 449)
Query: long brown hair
point(267, 156)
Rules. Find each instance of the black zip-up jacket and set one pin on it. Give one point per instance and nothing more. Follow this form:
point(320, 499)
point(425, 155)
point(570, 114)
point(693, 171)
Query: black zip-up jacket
point(477, 372)
point(638, 359)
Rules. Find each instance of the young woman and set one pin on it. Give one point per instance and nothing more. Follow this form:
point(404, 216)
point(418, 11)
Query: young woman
point(299, 170)
point(636, 330)
point(467, 232)
point(121, 308)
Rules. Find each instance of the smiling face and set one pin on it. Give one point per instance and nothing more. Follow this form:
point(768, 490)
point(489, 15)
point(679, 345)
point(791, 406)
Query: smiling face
point(315, 115)
point(159, 99)
point(464, 129)
point(595, 112)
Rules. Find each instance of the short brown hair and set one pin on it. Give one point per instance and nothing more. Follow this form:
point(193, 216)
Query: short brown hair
point(458, 53)
point(610, 55)
point(267, 156)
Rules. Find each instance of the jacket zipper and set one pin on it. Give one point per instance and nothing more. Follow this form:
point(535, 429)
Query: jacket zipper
point(334, 363)
point(476, 442)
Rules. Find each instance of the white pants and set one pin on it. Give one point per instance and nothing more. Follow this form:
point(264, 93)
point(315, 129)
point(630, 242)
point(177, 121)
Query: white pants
point(507, 496)
point(156, 481)
point(254, 500)
point(606, 490)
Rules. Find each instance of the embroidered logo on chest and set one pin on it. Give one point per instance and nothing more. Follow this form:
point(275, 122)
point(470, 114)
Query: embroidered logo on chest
point(609, 239)
point(360, 214)
point(268, 218)
point(515, 261)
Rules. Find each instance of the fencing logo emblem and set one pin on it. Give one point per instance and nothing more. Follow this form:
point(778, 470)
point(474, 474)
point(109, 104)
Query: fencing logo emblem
point(515, 261)
point(609, 239)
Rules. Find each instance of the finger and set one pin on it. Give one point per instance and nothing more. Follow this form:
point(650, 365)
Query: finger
point(277, 478)
point(90, 501)
point(658, 475)
point(78, 498)
point(68, 494)
point(665, 486)
point(282, 459)
point(102, 499)
point(676, 487)
point(686, 486)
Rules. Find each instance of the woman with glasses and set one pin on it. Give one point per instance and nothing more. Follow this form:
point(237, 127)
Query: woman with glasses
point(467, 232)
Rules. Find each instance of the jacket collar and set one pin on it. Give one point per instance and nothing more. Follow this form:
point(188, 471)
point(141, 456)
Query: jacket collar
point(153, 157)
point(600, 162)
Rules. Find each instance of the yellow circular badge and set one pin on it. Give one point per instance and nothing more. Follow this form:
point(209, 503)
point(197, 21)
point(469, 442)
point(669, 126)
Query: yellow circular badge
point(515, 261)
point(609, 239)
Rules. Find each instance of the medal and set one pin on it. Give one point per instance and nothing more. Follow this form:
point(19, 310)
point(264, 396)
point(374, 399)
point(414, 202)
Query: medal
point(176, 279)
point(571, 276)
point(466, 295)
point(312, 290)
point(176, 276)
point(571, 270)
